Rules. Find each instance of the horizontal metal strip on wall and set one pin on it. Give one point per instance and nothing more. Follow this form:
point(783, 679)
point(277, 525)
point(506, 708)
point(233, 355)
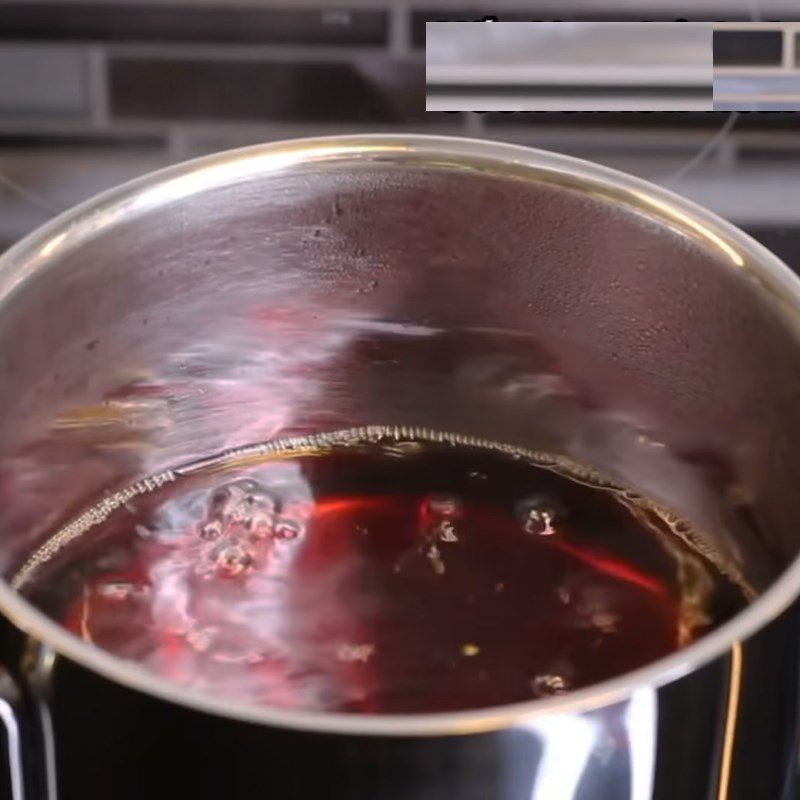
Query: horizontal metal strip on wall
point(566, 90)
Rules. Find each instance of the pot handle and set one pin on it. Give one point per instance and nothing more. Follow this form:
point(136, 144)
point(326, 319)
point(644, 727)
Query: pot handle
point(12, 717)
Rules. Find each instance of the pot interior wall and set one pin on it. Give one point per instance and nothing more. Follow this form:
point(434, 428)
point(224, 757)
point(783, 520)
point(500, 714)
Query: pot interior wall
point(338, 294)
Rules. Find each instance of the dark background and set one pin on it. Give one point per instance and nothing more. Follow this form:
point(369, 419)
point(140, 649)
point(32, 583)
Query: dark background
point(93, 94)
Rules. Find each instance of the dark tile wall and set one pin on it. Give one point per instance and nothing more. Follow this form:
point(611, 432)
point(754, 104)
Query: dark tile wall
point(186, 89)
point(114, 22)
point(76, 142)
point(94, 92)
point(784, 241)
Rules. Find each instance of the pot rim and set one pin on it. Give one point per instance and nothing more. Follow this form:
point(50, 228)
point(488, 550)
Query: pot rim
point(732, 247)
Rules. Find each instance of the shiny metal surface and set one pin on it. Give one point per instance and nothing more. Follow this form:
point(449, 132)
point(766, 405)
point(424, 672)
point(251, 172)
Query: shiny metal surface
point(563, 66)
point(664, 314)
point(620, 53)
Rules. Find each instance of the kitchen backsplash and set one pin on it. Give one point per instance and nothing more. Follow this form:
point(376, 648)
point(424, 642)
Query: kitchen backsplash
point(92, 94)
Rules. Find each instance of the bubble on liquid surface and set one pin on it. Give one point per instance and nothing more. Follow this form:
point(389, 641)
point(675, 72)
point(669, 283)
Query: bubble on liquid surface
point(242, 505)
point(260, 519)
point(540, 514)
point(443, 506)
point(354, 652)
point(549, 685)
point(288, 529)
point(445, 531)
point(233, 559)
point(605, 621)
point(211, 531)
point(434, 555)
point(219, 504)
point(201, 639)
point(142, 531)
point(119, 590)
point(437, 513)
point(254, 501)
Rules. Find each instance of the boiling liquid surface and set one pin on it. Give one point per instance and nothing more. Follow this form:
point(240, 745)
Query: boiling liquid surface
point(380, 573)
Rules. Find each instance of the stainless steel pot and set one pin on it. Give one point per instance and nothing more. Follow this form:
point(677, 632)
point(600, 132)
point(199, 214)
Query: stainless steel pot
point(669, 326)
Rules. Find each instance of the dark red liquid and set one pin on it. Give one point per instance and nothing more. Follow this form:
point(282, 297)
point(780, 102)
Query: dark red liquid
point(383, 578)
